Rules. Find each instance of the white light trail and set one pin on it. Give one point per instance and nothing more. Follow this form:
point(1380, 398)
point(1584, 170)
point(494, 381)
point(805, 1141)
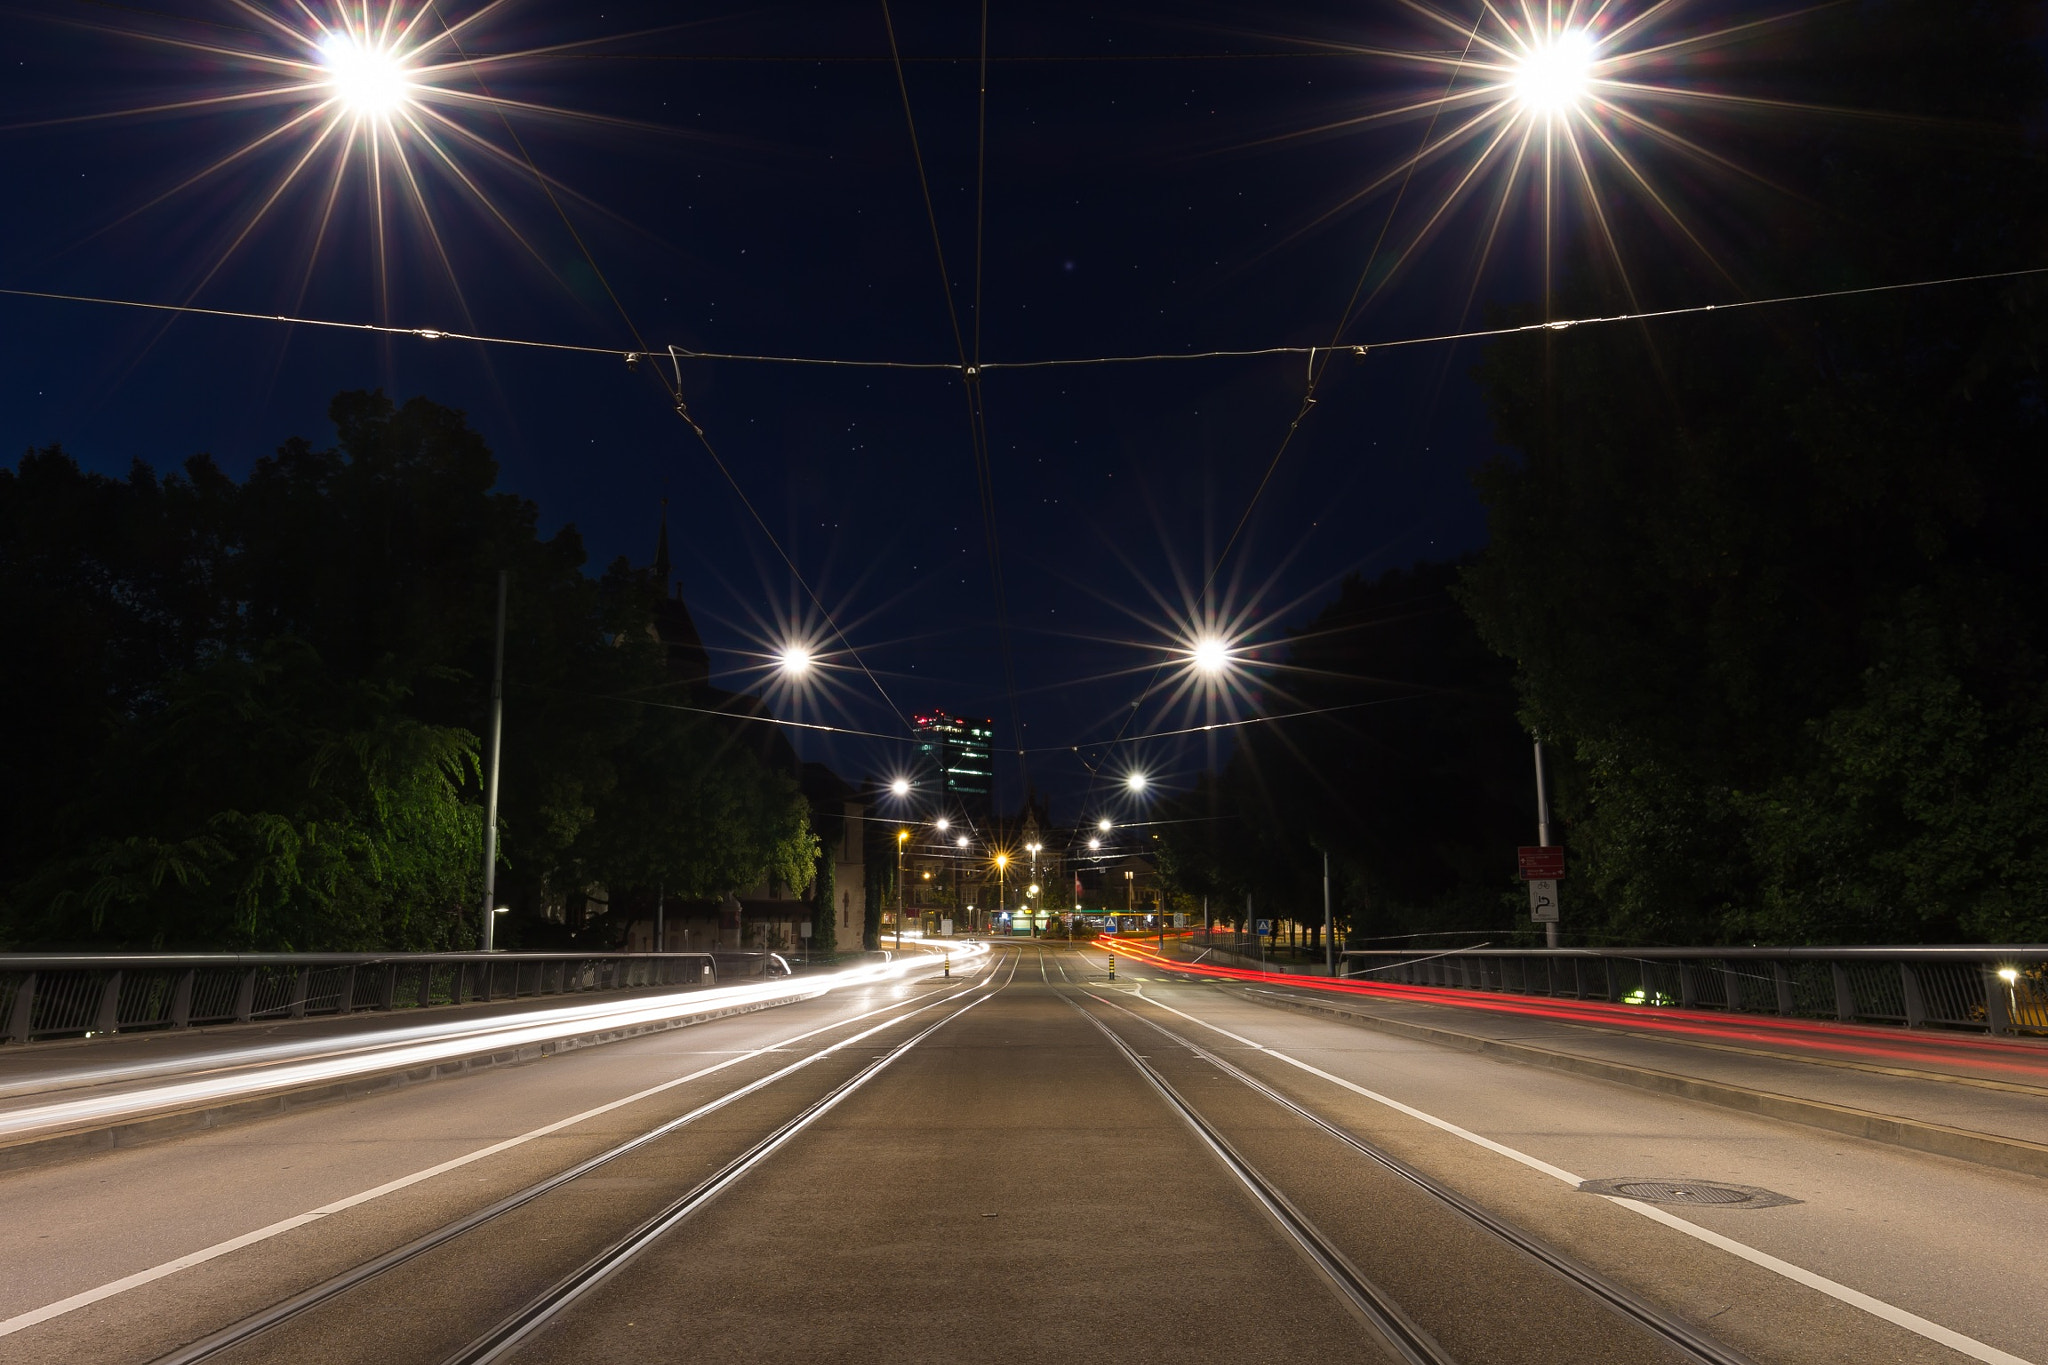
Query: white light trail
point(234, 1073)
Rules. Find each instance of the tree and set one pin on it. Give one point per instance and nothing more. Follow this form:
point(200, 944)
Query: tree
point(245, 715)
point(1772, 581)
point(1411, 770)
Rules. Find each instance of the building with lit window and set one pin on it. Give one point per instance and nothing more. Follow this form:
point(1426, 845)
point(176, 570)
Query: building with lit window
point(953, 761)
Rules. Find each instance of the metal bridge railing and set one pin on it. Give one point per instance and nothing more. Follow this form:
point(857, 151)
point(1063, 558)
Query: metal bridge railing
point(1999, 989)
point(54, 996)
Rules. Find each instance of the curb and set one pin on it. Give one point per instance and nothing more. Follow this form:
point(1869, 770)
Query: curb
point(162, 1127)
point(1984, 1149)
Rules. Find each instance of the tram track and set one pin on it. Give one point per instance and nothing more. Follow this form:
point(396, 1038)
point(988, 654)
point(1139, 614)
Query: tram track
point(1406, 1339)
point(509, 1329)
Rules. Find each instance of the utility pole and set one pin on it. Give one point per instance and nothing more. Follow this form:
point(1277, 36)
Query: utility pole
point(1329, 943)
point(491, 776)
point(901, 835)
point(660, 924)
point(1543, 835)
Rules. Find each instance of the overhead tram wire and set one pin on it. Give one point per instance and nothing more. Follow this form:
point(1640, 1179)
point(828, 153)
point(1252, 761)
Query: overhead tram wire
point(970, 366)
point(675, 390)
point(1152, 357)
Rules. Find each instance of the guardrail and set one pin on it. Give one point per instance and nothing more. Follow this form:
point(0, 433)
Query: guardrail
point(1999, 989)
point(54, 996)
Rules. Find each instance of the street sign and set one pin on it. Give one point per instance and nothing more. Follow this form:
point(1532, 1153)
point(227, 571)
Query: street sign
point(1543, 900)
point(1541, 864)
point(1265, 926)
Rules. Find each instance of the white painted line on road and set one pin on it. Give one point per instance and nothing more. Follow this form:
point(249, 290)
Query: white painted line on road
point(20, 1321)
point(1855, 1298)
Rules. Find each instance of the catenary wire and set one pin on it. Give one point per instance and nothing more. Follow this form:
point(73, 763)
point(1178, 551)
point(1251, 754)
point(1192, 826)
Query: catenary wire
point(970, 369)
point(1152, 357)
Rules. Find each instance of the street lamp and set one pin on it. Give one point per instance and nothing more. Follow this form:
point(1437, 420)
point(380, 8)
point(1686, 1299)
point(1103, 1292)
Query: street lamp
point(900, 787)
point(1210, 655)
point(1103, 825)
point(1032, 849)
point(794, 660)
point(1002, 890)
point(1136, 782)
point(902, 837)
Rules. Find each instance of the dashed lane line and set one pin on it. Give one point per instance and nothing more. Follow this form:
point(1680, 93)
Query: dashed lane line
point(1855, 1298)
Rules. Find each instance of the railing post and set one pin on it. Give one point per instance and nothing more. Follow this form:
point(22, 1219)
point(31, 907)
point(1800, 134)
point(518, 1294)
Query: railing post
point(1909, 991)
point(1688, 989)
point(387, 999)
point(490, 970)
point(181, 999)
point(1731, 986)
point(300, 984)
point(1997, 1017)
point(245, 997)
point(1607, 970)
point(1578, 978)
point(110, 1005)
point(1845, 994)
point(1782, 979)
point(458, 983)
point(21, 1019)
point(347, 1003)
point(426, 984)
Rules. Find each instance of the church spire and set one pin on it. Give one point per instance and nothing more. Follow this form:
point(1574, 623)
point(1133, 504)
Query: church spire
point(661, 564)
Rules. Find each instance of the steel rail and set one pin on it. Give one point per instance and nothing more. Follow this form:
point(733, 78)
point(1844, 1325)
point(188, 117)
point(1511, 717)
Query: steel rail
point(256, 1324)
point(537, 1312)
point(1402, 1335)
point(1622, 1300)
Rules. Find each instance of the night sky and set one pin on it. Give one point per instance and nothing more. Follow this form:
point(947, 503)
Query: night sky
point(744, 182)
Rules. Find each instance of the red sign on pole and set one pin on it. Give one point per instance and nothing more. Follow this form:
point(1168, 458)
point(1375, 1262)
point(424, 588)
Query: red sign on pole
point(1544, 864)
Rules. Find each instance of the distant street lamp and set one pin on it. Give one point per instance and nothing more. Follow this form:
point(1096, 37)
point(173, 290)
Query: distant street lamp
point(1033, 850)
point(902, 836)
point(1002, 886)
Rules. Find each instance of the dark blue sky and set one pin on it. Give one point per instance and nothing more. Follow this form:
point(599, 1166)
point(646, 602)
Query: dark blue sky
point(773, 206)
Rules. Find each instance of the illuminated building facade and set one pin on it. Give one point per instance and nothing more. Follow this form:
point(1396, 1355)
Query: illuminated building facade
point(953, 760)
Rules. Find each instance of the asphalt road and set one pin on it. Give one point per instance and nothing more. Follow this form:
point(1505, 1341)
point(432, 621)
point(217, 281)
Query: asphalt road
point(993, 1168)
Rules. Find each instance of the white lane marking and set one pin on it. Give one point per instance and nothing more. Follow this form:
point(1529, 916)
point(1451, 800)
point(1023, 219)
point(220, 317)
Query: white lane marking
point(9, 1326)
point(1855, 1298)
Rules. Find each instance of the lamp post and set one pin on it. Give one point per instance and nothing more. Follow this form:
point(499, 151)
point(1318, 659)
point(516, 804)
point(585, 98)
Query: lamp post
point(1032, 849)
point(1329, 943)
point(902, 835)
point(491, 776)
point(961, 844)
point(1543, 835)
point(1002, 887)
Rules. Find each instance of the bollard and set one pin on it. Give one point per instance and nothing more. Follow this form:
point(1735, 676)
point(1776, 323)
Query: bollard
point(1112, 966)
point(947, 959)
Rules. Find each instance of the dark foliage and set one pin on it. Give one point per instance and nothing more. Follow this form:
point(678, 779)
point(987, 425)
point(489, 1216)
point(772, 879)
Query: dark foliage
point(247, 715)
point(1774, 580)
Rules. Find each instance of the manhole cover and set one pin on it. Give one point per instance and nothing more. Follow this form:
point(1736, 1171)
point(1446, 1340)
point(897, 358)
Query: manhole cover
point(1718, 1194)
